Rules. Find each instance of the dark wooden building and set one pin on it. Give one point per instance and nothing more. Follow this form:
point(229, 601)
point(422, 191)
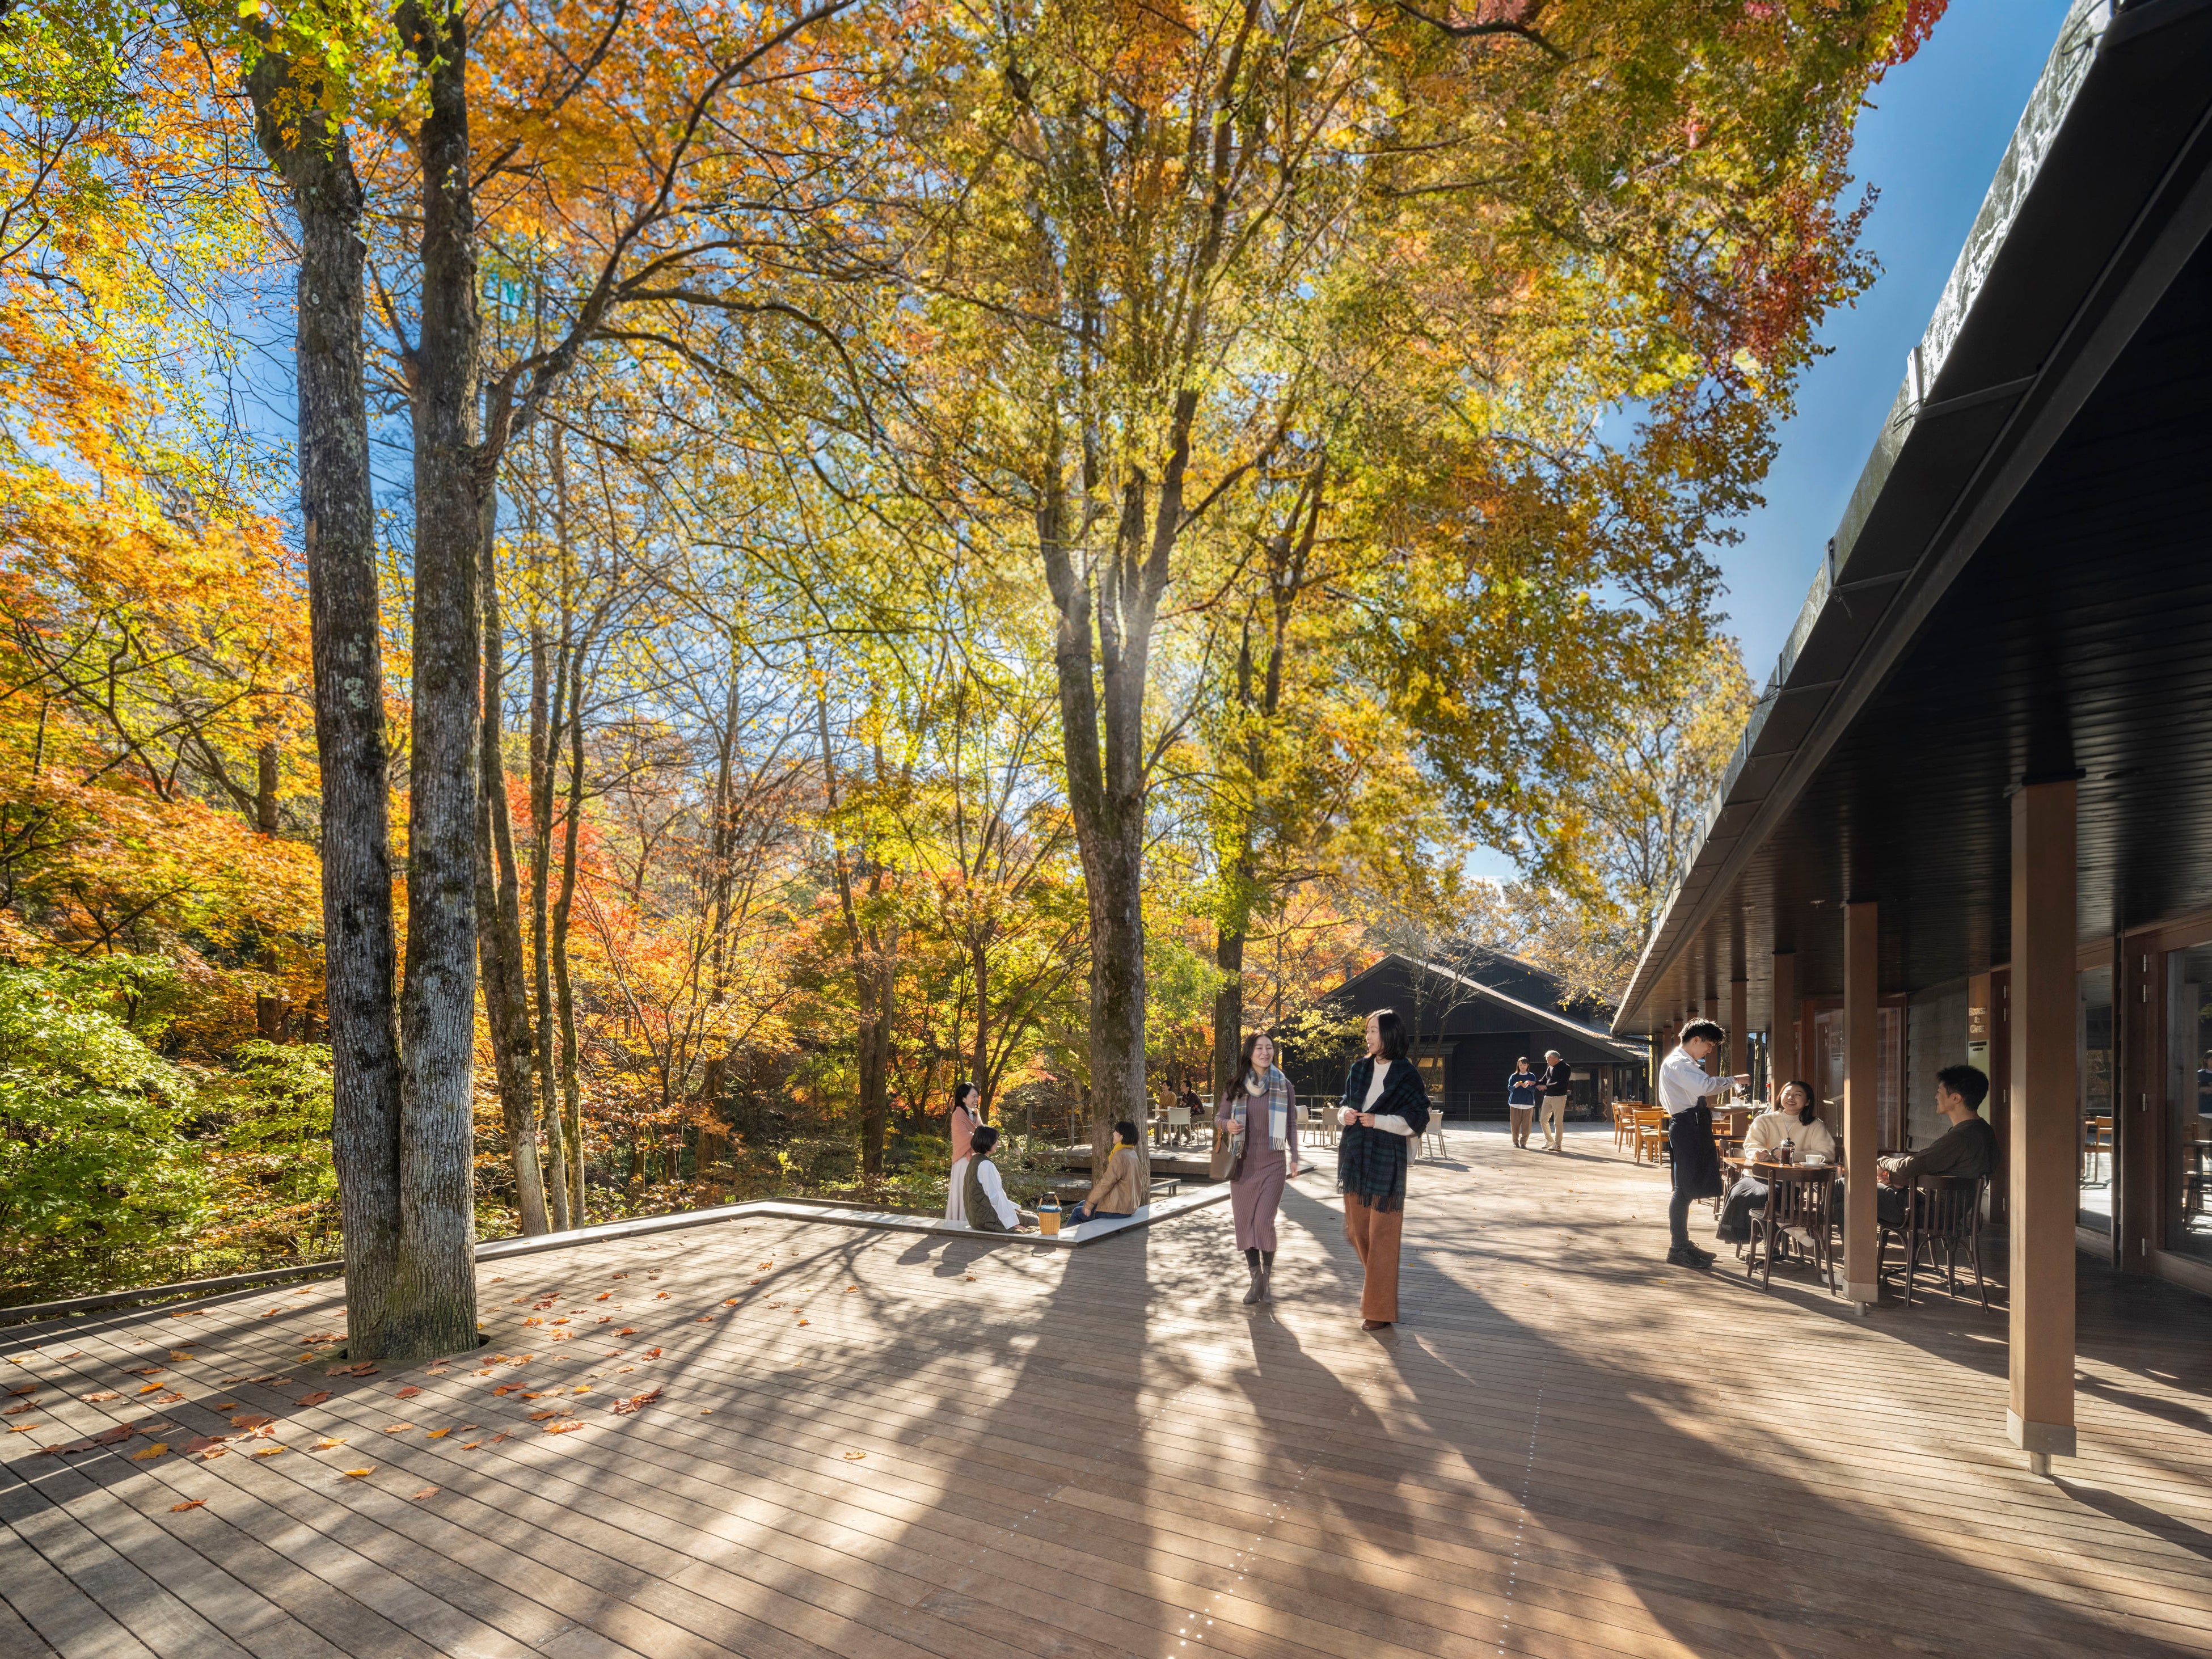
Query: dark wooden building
point(1472, 1019)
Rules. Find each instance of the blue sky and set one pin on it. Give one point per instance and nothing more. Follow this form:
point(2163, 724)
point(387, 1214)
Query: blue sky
point(1930, 146)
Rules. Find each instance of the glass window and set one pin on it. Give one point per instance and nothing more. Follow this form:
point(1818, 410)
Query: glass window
point(1831, 1067)
point(2092, 1051)
point(2189, 1099)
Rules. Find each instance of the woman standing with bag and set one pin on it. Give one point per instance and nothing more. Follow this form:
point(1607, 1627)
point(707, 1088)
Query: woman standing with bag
point(1256, 1129)
point(1385, 1106)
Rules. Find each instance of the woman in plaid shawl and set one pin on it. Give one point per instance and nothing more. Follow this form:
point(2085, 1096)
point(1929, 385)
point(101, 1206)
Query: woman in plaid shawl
point(1385, 1106)
point(1260, 1113)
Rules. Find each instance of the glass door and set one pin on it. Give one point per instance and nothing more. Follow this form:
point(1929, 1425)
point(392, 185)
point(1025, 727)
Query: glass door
point(2189, 1100)
point(2092, 1051)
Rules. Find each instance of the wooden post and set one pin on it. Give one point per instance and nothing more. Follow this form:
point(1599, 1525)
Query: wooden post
point(1738, 1043)
point(1782, 1025)
point(2043, 1179)
point(1862, 1095)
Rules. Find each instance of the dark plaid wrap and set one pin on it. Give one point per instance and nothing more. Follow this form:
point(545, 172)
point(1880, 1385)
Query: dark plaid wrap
point(1371, 1163)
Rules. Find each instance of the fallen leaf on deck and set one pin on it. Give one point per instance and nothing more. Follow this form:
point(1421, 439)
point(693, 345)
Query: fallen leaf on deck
point(150, 1453)
point(497, 1439)
point(105, 1393)
point(224, 1406)
point(849, 1289)
point(852, 1457)
point(563, 1428)
point(623, 1408)
point(214, 1452)
point(109, 1436)
point(409, 1392)
point(17, 1411)
point(398, 1428)
point(971, 1279)
point(806, 1322)
point(151, 1387)
point(326, 1443)
point(24, 1428)
point(627, 1330)
point(360, 1474)
point(269, 1451)
point(316, 1398)
point(189, 1504)
point(471, 1445)
point(660, 1296)
point(166, 1397)
point(603, 1296)
point(251, 1420)
point(440, 1434)
point(426, 1492)
point(653, 1353)
point(730, 1302)
point(706, 1411)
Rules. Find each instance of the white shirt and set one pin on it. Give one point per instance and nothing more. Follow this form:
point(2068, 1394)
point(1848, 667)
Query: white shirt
point(994, 1190)
point(1389, 1120)
point(1683, 1083)
point(1769, 1129)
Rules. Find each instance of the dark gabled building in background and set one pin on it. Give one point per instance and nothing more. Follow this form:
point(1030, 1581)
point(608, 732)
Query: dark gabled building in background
point(1472, 1016)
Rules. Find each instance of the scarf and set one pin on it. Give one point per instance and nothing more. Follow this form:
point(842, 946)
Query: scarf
point(1279, 1106)
point(1371, 1163)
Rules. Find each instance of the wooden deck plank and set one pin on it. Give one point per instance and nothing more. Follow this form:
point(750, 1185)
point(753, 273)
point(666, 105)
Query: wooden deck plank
point(1566, 1449)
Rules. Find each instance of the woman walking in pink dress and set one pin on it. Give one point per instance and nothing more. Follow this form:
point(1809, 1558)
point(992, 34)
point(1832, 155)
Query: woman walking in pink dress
point(1260, 1112)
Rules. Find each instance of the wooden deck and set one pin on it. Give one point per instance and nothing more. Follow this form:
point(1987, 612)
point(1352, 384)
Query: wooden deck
point(892, 1446)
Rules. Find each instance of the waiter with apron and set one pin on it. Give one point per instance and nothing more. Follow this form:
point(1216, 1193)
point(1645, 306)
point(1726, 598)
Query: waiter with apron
point(1683, 1087)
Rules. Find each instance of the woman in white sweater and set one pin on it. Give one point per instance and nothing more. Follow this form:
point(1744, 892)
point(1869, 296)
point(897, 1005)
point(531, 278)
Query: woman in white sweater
point(1794, 1122)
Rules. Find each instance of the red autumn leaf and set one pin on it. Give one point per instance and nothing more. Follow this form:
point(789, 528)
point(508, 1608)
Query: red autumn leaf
point(409, 1392)
point(109, 1436)
point(426, 1492)
point(316, 1398)
point(251, 1420)
point(623, 1408)
point(189, 1504)
point(563, 1428)
point(627, 1330)
point(660, 1296)
point(653, 1353)
point(200, 1442)
point(17, 1411)
point(539, 1417)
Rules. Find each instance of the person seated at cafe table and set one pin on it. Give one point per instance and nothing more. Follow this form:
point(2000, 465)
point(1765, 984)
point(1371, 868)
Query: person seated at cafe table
point(1794, 1122)
point(1968, 1149)
point(986, 1207)
point(1113, 1195)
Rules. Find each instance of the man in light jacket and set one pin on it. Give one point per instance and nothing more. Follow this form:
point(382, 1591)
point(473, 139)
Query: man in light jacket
point(1557, 1075)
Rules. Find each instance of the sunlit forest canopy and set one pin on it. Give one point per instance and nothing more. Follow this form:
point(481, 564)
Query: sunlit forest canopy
point(604, 603)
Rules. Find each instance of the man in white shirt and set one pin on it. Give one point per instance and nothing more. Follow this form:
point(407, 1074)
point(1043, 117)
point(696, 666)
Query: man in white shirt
point(984, 1208)
point(1684, 1086)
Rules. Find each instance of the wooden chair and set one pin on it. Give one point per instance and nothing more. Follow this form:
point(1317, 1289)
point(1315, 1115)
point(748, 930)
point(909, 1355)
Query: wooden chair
point(1798, 1202)
point(1650, 1134)
point(1943, 1212)
point(1624, 1124)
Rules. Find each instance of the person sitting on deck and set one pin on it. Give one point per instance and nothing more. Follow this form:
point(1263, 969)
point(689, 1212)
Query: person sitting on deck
point(1968, 1149)
point(984, 1192)
point(1795, 1123)
point(1113, 1195)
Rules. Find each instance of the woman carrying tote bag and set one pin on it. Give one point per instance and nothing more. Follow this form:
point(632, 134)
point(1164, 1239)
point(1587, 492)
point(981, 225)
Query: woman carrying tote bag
point(1256, 1144)
point(1385, 1107)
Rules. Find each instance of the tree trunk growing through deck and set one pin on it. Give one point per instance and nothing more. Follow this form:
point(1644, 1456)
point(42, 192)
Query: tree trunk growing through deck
point(338, 512)
point(434, 1308)
point(572, 1098)
point(499, 924)
point(1101, 705)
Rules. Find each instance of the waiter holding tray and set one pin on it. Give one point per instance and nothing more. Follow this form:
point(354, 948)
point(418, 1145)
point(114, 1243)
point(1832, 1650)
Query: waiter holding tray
point(1683, 1087)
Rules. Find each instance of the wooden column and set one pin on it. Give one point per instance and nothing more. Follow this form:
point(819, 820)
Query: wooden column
point(1782, 1033)
point(1861, 1096)
point(2044, 1177)
point(1738, 1043)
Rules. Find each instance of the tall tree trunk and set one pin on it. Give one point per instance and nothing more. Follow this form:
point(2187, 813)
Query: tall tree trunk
point(436, 1308)
point(269, 1012)
point(499, 922)
point(545, 726)
point(572, 1099)
point(980, 1074)
point(338, 514)
point(1228, 1006)
point(871, 975)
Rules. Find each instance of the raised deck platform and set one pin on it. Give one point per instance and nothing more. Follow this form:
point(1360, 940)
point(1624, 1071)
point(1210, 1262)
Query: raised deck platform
point(875, 1444)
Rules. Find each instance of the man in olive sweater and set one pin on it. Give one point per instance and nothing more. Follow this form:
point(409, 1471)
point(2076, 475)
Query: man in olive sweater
point(1968, 1149)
